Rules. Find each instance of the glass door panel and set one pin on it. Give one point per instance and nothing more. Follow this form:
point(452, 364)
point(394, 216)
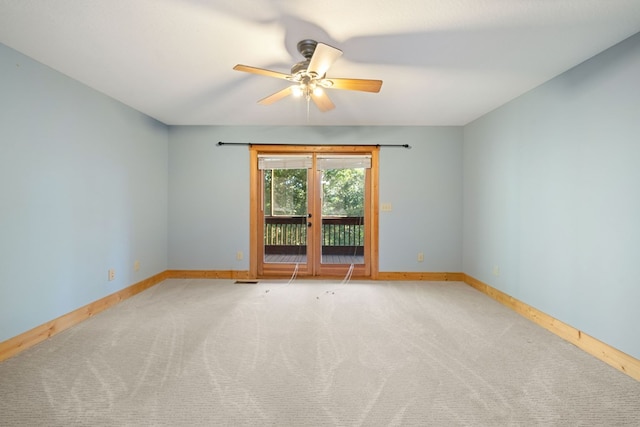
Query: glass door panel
point(343, 216)
point(285, 213)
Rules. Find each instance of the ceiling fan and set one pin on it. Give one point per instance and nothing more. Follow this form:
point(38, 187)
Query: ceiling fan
point(309, 76)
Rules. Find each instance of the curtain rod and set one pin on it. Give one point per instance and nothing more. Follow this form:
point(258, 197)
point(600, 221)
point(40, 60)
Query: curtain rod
point(220, 143)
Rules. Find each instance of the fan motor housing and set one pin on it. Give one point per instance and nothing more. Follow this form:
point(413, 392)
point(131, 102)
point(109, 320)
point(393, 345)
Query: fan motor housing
point(300, 67)
point(306, 48)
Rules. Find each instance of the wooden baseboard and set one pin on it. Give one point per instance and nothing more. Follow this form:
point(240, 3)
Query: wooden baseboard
point(207, 274)
point(240, 274)
point(28, 339)
point(610, 355)
point(421, 276)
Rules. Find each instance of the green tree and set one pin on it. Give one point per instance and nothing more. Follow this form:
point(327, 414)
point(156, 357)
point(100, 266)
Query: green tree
point(343, 192)
point(285, 192)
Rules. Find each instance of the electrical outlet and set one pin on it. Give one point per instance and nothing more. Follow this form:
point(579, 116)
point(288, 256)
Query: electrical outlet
point(420, 256)
point(136, 265)
point(239, 255)
point(496, 271)
point(112, 274)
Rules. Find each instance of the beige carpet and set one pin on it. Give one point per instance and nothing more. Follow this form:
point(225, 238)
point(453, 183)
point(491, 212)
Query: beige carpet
point(211, 352)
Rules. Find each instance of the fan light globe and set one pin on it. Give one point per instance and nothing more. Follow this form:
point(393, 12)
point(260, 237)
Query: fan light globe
point(296, 91)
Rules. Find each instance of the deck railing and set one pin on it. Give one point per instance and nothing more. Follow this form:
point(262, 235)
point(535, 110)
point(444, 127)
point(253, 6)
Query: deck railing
point(288, 235)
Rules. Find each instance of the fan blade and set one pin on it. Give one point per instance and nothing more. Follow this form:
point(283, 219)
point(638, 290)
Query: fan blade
point(357, 84)
point(322, 101)
point(276, 96)
point(323, 57)
point(261, 71)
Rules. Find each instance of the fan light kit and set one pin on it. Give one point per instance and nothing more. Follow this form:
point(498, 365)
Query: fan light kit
point(309, 76)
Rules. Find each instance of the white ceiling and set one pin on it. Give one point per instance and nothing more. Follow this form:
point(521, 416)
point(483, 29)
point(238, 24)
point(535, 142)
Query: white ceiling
point(443, 62)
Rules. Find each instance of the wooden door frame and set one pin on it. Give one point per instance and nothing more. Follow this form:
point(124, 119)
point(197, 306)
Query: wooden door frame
point(371, 204)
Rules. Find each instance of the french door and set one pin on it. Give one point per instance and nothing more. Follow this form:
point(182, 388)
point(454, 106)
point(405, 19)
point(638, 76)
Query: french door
point(313, 211)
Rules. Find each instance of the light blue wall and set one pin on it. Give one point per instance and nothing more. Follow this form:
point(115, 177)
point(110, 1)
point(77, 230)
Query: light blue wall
point(209, 193)
point(552, 197)
point(83, 188)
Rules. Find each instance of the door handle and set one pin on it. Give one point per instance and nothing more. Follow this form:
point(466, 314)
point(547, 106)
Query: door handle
point(309, 224)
